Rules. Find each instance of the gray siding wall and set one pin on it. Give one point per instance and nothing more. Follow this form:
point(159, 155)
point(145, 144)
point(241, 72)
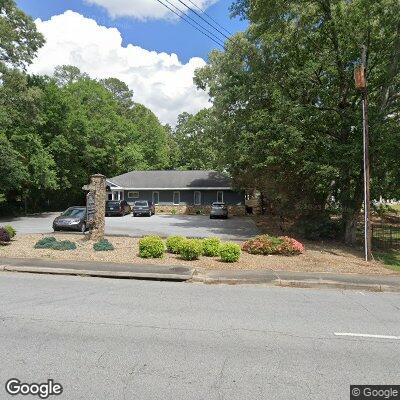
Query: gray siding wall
point(187, 197)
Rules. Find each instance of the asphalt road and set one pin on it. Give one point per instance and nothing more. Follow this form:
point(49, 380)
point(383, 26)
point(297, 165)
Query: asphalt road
point(124, 339)
point(235, 228)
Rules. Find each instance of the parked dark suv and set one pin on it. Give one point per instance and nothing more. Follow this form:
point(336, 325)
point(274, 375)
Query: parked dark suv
point(73, 219)
point(117, 207)
point(143, 207)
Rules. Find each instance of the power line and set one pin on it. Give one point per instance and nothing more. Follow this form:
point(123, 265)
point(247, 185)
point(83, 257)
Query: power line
point(201, 30)
point(210, 17)
point(201, 17)
point(230, 39)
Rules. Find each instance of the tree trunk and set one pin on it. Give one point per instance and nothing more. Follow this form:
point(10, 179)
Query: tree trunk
point(352, 212)
point(350, 234)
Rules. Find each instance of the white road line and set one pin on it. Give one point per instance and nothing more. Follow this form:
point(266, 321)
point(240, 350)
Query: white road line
point(366, 335)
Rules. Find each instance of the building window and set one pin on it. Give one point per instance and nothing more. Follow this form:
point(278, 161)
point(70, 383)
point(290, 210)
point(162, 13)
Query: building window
point(177, 198)
point(197, 198)
point(110, 196)
point(220, 197)
point(133, 195)
point(156, 198)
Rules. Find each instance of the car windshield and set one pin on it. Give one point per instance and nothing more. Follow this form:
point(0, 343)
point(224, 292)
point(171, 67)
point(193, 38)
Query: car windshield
point(141, 203)
point(74, 213)
point(218, 205)
point(113, 203)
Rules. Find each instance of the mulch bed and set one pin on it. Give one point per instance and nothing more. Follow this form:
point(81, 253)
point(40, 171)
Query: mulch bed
point(326, 257)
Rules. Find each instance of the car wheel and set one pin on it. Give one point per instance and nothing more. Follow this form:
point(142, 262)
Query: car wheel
point(83, 228)
point(149, 214)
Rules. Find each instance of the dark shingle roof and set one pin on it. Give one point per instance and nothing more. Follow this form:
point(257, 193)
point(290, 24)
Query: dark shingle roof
point(172, 180)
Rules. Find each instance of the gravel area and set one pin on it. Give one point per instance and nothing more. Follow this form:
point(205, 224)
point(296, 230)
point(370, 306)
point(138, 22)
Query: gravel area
point(317, 258)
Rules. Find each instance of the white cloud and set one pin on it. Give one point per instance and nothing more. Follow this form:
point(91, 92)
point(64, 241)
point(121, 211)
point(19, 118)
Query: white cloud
point(159, 80)
point(144, 9)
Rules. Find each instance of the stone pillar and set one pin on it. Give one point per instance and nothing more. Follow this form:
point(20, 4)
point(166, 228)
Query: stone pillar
point(98, 187)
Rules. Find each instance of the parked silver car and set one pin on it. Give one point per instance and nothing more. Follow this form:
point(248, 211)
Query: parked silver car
point(219, 210)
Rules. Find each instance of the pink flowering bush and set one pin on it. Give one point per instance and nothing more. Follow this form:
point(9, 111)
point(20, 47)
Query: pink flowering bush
point(290, 246)
point(266, 244)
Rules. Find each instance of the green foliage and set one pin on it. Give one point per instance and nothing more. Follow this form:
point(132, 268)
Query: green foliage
point(12, 171)
point(4, 236)
point(64, 245)
point(53, 244)
point(10, 230)
point(287, 110)
point(56, 131)
point(197, 146)
point(103, 245)
point(20, 39)
point(266, 245)
point(229, 252)
point(46, 243)
point(174, 243)
point(317, 227)
point(191, 249)
point(151, 247)
point(174, 211)
point(391, 259)
point(211, 247)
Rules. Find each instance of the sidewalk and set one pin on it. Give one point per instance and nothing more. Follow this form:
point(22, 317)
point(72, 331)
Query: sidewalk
point(180, 273)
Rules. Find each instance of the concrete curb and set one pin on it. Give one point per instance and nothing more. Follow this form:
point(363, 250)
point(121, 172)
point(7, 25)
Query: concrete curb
point(293, 283)
point(105, 274)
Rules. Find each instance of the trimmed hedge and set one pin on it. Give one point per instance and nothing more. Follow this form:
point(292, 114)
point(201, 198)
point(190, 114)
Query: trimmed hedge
point(103, 245)
point(229, 252)
point(265, 244)
point(211, 247)
point(53, 244)
point(10, 230)
point(151, 247)
point(174, 243)
point(4, 236)
point(191, 249)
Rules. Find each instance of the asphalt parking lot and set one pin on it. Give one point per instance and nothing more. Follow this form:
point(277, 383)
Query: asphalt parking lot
point(235, 228)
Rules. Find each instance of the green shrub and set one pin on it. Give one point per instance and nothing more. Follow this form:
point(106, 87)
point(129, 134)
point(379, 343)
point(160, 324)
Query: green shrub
point(191, 249)
point(64, 245)
point(174, 243)
point(318, 227)
point(174, 211)
point(229, 252)
point(151, 247)
point(53, 244)
point(4, 236)
point(46, 243)
point(211, 247)
point(10, 230)
point(103, 245)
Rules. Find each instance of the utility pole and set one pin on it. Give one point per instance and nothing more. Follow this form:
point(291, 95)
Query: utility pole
point(360, 75)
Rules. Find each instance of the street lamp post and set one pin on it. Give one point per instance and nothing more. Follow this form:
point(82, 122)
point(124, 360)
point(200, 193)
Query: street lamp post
point(360, 75)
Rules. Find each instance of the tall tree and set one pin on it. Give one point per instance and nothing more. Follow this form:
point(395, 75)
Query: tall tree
point(198, 147)
point(291, 117)
point(19, 38)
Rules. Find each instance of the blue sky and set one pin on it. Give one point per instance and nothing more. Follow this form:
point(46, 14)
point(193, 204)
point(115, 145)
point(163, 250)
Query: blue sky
point(152, 34)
